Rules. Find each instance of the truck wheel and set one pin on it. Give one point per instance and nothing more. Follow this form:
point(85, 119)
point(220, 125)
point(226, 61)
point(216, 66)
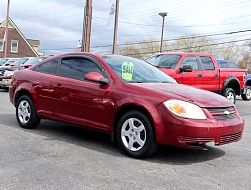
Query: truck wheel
point(229, 93)
point(247, 95)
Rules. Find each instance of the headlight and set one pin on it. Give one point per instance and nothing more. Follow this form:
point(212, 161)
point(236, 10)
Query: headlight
point(8, 73)
point(185, 109)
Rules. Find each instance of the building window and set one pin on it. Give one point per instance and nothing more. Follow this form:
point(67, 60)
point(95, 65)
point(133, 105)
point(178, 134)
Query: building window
point(1, 44)
point(14, 46)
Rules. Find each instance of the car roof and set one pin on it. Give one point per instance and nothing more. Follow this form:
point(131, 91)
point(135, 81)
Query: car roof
point(184, 53)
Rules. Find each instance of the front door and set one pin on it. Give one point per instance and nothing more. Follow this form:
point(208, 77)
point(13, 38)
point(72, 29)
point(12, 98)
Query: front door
point(193, 78)
point(82, 101)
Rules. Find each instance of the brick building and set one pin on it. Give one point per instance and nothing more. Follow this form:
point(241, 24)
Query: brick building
point(18, 45)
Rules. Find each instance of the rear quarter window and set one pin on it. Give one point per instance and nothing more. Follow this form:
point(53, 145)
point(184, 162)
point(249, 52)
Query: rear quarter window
point(50, 67)
point(207, 63)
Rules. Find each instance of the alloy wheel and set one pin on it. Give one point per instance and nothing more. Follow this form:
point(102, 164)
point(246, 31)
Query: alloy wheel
point(248, 93)
point(133, 134)
point(24, 112)
point(230, 96)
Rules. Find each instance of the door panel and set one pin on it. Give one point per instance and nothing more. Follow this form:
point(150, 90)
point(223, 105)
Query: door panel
point(82, 102)
point(210, 74)
point(193, 78)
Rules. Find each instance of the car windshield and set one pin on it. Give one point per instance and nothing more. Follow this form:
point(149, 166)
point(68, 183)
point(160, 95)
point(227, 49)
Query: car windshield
point(3, 61)
point(226, 64)
point(164, 61)
point(133, 70)
point(34, 60)
point(10, 62)
point(19, 61)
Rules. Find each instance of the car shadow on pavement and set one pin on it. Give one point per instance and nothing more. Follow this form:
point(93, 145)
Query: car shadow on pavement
point(178, 156)
point(101, 142)
point(4, 90)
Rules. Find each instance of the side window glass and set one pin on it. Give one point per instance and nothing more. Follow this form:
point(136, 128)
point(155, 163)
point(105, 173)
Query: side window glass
point(77, 68)
point(48, 67)
point(207, 63)
point(192, 61)
point(152, 60)
point(168, 61)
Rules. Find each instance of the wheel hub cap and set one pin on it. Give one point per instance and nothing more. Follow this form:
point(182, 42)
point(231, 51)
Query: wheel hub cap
point(133, 134)
point(24, 112)
point(248, 93)
point(230, 96)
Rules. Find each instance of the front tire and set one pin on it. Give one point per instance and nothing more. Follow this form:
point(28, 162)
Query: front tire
point(135, 135)
point(26, 113)
point(229, 93)
point(247, 95)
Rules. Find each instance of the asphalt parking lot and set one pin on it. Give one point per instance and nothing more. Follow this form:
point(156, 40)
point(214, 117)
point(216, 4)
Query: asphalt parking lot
point(61, 156)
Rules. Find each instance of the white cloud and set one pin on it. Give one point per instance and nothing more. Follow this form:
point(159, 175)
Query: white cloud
point(58, 23)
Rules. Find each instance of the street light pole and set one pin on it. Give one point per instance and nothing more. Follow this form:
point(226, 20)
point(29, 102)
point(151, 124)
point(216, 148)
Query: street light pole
point(86, 35)
point(115, 34)
point(6, 30)
point(163, 15)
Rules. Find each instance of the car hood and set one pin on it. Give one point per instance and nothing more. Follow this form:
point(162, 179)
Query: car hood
point(5, 67)
point(200, 97)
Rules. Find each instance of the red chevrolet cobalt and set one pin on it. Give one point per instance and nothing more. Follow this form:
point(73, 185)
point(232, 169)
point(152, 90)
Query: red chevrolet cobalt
point(139, 105)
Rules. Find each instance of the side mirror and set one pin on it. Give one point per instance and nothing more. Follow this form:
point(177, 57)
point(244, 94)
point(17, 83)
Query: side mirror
point(96, 77)
point(186, 68)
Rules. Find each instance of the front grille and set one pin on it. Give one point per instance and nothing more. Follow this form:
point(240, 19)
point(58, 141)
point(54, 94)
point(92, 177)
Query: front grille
point(222, 113)
point(230, 138)
point(184, 139)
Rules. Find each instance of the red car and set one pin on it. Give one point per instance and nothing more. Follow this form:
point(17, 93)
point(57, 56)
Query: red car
point(139, 105)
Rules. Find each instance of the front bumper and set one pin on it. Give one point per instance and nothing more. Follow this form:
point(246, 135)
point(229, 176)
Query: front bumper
point(186, 133)
point(5, 82)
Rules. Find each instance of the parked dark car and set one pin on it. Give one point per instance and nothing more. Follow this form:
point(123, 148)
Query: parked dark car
point(226, 64)
point(247, 96)
point(139, 105)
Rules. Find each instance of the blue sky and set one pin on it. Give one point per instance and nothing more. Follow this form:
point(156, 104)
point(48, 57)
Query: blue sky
point(58, 23)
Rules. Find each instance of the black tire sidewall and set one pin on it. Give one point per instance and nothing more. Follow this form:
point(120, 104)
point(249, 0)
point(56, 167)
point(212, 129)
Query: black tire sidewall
point(244, 96)
point(149, 146)
point(227, 90)
point(34, 120)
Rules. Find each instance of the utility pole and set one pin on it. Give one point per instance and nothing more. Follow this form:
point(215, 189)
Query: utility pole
point(87, 22)
point(163, 15)
point(115, 34)
point(6, 30)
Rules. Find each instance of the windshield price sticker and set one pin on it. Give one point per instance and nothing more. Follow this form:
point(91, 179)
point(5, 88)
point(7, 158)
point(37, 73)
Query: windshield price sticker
point(127, 70)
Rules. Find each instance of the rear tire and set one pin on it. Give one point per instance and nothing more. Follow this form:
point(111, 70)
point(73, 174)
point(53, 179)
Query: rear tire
point(229, 93)
point(26, 114)
point(135, 135)
point(247, 95)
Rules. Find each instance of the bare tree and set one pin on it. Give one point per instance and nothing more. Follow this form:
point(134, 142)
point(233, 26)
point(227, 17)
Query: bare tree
point(193, 44)
point(230, 51)
point(131, 50)
point(245, 63)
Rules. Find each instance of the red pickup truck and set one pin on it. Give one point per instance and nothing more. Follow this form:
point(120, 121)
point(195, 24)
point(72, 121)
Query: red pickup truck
point(202, 71)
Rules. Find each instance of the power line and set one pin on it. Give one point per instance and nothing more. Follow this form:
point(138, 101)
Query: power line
point(183, 38)
point(178, 49)
point(138, 43)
